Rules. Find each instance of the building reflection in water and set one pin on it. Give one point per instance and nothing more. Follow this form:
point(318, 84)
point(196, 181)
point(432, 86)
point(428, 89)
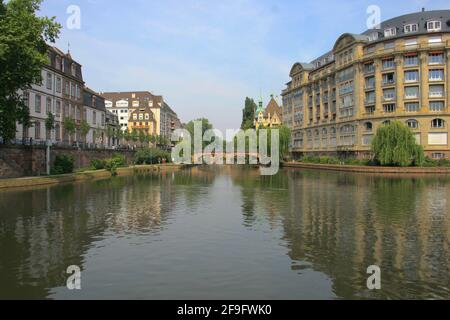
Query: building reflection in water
point(44, 231)
point(334, 223)
point(340, 224)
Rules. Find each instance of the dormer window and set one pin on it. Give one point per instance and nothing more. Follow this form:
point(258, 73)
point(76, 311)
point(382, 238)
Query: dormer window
point(58, 62)
point(373, 36)
point(433, 26)
point(390, 32)
point(409, 28)
point(74, 69)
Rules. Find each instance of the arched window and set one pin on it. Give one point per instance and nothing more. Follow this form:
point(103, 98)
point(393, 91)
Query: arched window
point(324, 132)
point(387, 122)
point(333, 131)
point(412, 124)
point(368, 126)
point(438, 123)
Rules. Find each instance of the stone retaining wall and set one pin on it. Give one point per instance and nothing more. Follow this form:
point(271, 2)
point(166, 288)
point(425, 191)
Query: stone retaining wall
point(22, 161)
point(368, 169)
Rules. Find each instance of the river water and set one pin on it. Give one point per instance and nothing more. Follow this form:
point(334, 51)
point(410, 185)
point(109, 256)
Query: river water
point(228, 233)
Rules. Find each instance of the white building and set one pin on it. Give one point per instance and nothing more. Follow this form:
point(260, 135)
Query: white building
point(95, 116)
point(121, 109)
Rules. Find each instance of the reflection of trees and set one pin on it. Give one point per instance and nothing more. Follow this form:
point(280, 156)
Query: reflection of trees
point(44, 231)
point(41, 233)
point(261, 195)
point(343, 223)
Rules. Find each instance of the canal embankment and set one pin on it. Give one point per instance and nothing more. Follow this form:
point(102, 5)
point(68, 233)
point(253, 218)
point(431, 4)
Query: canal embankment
point(17, 161)
point(368, 169)
point(28, 182)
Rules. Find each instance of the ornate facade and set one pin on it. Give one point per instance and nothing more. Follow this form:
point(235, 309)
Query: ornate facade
point(335, 104)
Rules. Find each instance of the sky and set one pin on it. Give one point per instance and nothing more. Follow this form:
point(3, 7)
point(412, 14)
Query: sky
point(206, 56)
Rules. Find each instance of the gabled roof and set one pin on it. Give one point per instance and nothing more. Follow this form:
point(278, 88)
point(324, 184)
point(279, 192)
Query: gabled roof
point(300, 66)
point(348, 38)
point(273, 108)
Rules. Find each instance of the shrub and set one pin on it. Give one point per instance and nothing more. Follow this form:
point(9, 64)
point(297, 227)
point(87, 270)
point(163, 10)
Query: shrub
point(63, 164)
point(324, 160)
point(120, 159)
point(443, 163)
point(98, 164)
point(431, 163)
point(111, 165)
point(334, 160)
point(152, 156)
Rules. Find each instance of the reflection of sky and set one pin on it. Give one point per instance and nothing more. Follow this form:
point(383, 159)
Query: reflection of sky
point(206, 56)
point(206, 234)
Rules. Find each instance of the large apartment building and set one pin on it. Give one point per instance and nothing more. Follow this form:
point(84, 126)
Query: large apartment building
point(400, 71)
point(142, 110)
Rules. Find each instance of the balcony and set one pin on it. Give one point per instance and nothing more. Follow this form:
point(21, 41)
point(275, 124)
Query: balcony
point(387, 83)
point(435, 45)
point(370, 110)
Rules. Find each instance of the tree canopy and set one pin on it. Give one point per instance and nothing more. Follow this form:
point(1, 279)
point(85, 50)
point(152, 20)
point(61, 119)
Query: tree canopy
point(394, 145)
point(206, 125)
point(248, 116)
point(23, 51)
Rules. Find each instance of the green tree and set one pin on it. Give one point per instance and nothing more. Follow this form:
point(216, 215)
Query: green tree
point(394, 145)
point(142, 137)
point(84, 129)
point(127, 136)
point(69, 126)
point(109, 132)
point(134, 135)
point(248, 116)
point(151, 139)
point(285, 141)
point(206, 125)
point(23, 51)
point(119, 135)
point(50, 122)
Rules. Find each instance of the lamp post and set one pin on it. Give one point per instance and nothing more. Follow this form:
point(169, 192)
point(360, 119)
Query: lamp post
point(48, 160)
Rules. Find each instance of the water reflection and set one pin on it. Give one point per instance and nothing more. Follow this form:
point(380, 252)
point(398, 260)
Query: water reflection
point(44, 231)
point(340, 224)
point(230, 233)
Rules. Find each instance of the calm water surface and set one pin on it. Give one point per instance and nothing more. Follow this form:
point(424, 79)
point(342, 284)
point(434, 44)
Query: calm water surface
point(228, 233)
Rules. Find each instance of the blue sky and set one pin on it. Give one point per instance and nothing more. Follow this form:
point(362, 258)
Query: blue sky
point(206, 56)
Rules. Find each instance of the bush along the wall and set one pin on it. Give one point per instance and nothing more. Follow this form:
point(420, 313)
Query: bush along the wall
point(63, 164)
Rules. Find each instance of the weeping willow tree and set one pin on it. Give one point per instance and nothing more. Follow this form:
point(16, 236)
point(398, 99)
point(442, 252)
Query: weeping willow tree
point(394, 145)
point(285, 141)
